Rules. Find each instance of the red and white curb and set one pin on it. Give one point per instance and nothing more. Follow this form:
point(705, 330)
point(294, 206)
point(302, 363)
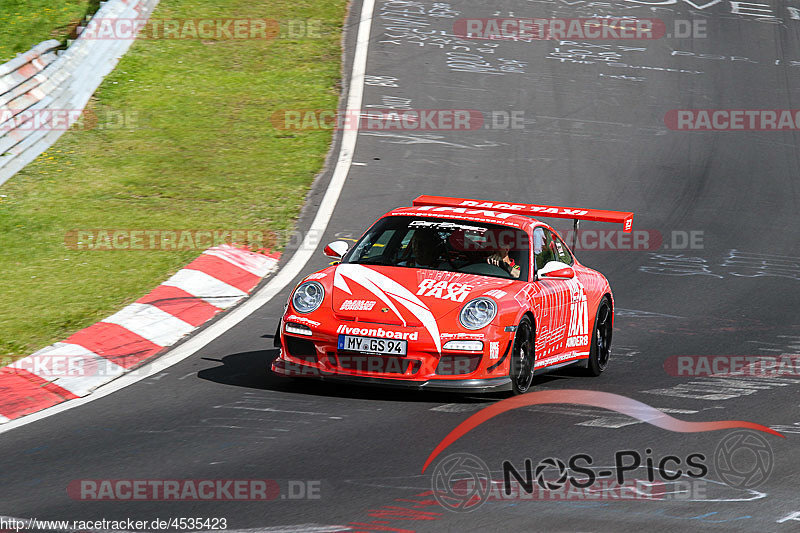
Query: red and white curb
point(282, 278)
point(218, 279)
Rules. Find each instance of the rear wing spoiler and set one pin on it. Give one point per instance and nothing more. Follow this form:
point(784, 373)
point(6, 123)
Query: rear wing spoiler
point(574, 213)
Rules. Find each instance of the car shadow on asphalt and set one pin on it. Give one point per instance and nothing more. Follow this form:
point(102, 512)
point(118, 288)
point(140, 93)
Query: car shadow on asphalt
point(251, 370)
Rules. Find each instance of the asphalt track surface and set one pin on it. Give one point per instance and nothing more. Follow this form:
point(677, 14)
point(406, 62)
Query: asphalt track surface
point(594, 136)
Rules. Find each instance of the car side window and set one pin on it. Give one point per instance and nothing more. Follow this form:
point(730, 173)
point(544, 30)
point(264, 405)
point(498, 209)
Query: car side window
point(562, 251)
point(542, 251)
point(376, 249)
point(548, 246)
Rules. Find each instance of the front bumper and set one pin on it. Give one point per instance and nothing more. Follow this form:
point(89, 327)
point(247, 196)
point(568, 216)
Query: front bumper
point(426, 366)
point(498, 384)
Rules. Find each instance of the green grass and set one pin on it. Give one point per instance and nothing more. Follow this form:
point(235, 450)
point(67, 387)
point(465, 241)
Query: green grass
point(25, 23)
point(202, 154)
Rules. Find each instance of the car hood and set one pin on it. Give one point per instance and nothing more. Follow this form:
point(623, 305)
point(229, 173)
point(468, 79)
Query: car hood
point(405, 296)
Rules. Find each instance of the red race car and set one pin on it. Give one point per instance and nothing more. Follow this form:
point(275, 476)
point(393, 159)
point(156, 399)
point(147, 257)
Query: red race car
point(451, 294)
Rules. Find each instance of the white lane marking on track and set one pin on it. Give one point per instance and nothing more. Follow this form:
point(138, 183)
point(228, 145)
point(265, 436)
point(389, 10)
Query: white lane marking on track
point(638, 313)
point(596, 417)
point(427, 138)
point(283, 277)
point(715, 389)
point(459, 407)
point(268, 410)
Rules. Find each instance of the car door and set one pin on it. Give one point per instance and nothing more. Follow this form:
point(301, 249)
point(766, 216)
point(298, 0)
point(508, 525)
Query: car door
point(576, 312)
point(554, 298)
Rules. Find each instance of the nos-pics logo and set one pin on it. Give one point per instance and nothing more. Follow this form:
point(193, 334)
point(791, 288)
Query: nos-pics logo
point(462, 482)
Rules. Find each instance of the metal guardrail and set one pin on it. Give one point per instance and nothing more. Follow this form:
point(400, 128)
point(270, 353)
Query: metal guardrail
point(46, 79)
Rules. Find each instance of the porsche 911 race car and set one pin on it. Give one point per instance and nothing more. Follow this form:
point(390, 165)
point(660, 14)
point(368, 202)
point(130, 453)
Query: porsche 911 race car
point(451, 294)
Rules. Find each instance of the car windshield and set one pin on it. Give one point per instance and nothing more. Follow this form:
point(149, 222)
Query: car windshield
point(449, 245)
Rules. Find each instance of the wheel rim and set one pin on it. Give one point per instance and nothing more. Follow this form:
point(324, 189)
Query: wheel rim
point(523, 357)
point(603, 334)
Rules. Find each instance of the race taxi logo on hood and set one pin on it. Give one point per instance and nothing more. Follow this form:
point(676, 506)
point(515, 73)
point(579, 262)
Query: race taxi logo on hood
point(444, 290)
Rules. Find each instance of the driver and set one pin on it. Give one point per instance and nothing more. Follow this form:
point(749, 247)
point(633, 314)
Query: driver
point(425, 245)
point(501, 259)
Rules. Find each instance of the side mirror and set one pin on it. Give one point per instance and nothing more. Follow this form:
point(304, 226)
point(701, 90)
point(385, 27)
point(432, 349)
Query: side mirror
point(336, 250)
point(561, 273)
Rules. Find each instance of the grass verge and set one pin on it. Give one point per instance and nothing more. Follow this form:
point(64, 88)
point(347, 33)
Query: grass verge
point(192, 147)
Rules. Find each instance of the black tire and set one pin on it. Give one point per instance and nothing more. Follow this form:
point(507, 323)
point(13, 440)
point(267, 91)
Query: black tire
point(600, 351)
point(523, 357)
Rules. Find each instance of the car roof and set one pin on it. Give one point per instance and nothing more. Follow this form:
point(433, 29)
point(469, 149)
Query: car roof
point(469, 214)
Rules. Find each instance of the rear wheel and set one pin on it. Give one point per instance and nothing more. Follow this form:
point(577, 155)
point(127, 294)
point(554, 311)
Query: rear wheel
point(522, 357)
point(600, 352)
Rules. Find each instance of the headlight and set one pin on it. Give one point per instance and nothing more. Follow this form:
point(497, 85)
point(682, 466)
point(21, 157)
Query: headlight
point(478, 313)
point(308, 297)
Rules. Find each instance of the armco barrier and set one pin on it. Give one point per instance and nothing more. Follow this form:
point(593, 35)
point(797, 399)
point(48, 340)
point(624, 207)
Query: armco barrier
point(45, 79)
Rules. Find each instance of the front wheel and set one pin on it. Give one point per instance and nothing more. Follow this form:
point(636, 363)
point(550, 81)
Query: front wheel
point(522, 357)
point(600, 351)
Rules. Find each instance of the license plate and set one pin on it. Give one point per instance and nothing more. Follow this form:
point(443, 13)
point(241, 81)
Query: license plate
point(352, 343)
